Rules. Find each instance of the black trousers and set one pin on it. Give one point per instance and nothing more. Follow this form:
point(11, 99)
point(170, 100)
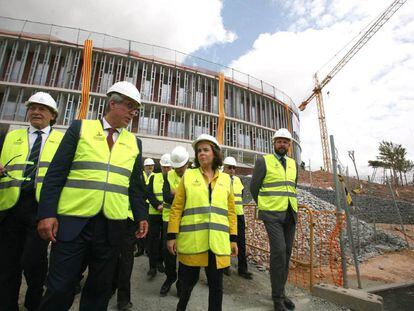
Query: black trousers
point(241, 244)
point(66, 261)
point(21, 249)
point(154, 240)
point(281, 234)
point(126, 264)
point(188, 277)
point(170, 260)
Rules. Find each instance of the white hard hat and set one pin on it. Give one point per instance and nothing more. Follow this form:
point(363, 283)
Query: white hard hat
point(127, 89)
point(205, 137)
point(149, 161)
point(165, 160)
point(43, 99)
point(282, 133)
point(230, 161)
point(179, 157)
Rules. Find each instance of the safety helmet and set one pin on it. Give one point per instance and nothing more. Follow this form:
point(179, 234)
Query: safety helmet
point(282, 133)
point(205, 137)
point(127, 89)
point(165, 160)
point(149, 161)
point(43, 99)
point(230, 161)
point(179, 157)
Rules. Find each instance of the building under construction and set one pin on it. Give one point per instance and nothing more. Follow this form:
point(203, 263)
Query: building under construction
point(183, 96)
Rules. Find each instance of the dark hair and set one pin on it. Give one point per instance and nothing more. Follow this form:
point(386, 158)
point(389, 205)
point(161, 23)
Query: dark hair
point(218, 157)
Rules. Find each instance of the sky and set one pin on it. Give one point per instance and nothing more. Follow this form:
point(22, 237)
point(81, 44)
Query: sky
point(283, 43)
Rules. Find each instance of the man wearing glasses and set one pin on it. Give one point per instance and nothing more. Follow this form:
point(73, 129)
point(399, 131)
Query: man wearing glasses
point(230, 168)
point(25, 157)
point(93, 181)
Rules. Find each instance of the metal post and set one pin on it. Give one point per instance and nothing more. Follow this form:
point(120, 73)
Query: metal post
point(398, 213)
point(350, 234)
point(352, 156)
point(339, 214)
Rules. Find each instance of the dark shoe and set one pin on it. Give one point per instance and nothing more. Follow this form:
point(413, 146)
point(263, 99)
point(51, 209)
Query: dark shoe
point(178, 287)
point(246, 275)
point(124, 306)
point(160, 267)
point(139, 252)
point(165, 288)
point(288, 303)
point(227, 271)
point(279, 305)
point(151, 273)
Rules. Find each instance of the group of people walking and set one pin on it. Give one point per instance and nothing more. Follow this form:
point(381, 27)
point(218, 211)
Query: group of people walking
point(89, 193)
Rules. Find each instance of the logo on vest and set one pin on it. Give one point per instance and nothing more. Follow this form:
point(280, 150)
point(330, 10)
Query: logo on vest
point(99, 136)
point(196, 182)
point(19, 141)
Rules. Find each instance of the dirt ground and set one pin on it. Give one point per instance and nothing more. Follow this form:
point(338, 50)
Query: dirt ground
point(388, 268)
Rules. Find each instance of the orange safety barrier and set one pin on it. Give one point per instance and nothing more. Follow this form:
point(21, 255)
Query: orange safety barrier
point(316, 255)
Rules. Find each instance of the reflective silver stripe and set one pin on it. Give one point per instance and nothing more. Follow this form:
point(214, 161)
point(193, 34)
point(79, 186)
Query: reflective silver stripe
point(44, 164)
point(39, 179)
point(238, 195)
point(205, 210)
point(204, 226)
point(15, 167)
point(238, 202)
point(96, 185)
point(278, 184)
point(157, 194)
point(89, 165)
point(277, 194)
point(11, 183)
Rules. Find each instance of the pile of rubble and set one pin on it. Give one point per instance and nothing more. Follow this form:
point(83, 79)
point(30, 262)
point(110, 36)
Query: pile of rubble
point(369, 242)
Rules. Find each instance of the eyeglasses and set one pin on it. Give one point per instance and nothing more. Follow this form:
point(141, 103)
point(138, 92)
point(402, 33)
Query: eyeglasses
point(27, 178)
point(231, 167)
point(132, 108)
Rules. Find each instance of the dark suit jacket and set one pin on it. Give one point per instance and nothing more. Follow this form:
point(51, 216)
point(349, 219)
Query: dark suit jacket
point(55, 179)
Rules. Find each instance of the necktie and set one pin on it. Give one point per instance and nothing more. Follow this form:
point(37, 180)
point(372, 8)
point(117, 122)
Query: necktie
point(34, 155)
point(110, 138)
point(283, 161)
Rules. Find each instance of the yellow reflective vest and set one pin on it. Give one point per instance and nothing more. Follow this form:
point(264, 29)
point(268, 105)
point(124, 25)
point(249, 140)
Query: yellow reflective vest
point(17, 144)
point(204, 224)
point(99, 178)
point(174, 180)
point(279, 185)
point(157, 184)
point(238, 195)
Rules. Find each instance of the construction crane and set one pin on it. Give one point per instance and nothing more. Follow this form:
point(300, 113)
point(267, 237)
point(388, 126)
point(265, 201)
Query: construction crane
point(317, 91)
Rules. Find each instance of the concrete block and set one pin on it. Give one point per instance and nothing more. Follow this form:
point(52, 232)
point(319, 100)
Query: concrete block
point(352, 298)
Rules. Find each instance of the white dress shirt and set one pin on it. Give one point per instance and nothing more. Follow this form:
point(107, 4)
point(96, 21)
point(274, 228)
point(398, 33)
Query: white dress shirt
point(32, 136)
point(107, 126)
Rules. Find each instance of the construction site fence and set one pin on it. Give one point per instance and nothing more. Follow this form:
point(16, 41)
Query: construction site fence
point(316, 255)
point(109, 43)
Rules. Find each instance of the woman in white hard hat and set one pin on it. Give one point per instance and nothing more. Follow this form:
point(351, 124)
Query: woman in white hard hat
point(179, 162)
point(203, 226)
point(154, 195)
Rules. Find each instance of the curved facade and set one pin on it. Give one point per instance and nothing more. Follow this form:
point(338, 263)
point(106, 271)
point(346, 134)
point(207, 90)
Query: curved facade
point(181, 100)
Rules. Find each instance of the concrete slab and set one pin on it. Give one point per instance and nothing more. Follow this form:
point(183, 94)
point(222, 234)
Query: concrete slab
point(348, 297)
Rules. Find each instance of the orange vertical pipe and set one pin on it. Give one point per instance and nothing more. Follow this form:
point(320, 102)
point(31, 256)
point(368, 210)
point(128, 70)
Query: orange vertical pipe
point(222, 116)
point(86, 79)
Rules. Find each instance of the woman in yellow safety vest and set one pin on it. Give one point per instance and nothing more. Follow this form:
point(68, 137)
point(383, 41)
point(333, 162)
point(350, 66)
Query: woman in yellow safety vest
point(202, 229)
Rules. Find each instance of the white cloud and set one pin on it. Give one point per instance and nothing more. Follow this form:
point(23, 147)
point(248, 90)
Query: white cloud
point(184, 25)
point(370, 100)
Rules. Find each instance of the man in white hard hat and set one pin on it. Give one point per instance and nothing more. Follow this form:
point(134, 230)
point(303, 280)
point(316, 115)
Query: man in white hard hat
point(229, 167)
point(273, 187)
point(179, 163)
point(154, 195)
point(92, 182)
point(149, 165)
point(25, 156)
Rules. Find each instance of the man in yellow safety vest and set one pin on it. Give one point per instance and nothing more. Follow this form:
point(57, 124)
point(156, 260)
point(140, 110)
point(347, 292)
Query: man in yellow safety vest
point(273, 187)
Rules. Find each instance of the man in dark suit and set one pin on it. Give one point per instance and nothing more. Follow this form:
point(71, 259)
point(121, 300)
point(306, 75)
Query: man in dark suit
point(25, 154)
point(92, 182)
